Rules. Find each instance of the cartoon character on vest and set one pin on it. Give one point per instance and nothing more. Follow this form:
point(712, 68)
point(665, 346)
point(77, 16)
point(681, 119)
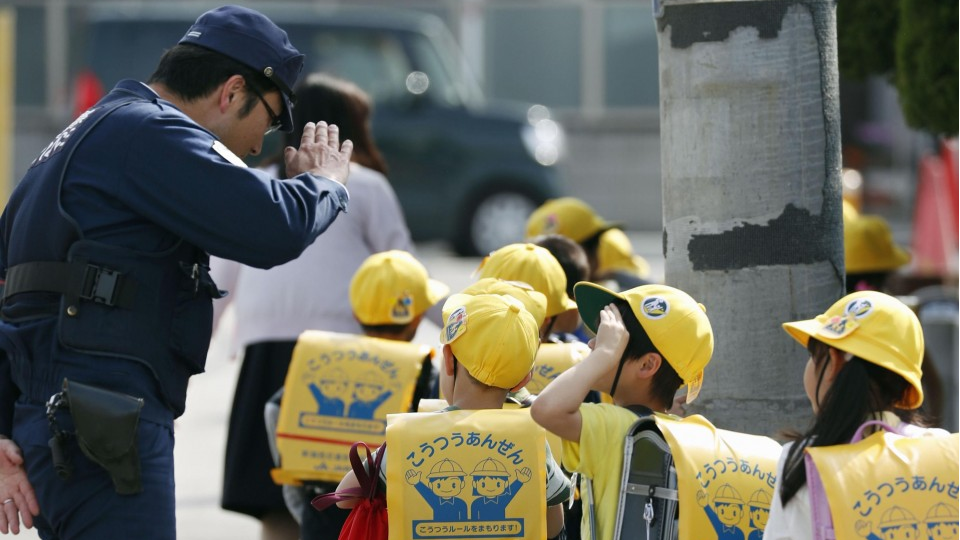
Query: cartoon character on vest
point(759, 512)
point(445, 481)
point(334, 387)
point(897, 523)
point(368, 395)
point(490, 486)
point(726, 512)
point(942, 522)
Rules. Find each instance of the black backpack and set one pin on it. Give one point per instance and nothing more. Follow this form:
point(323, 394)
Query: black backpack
point(648, 493)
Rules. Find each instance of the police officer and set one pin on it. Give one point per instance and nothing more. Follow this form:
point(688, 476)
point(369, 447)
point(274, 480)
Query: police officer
point(104, 248)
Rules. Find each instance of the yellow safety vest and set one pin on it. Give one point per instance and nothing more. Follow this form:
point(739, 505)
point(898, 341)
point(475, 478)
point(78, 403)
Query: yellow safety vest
point(552, 360)
point(338, 390)
point(725, 479)
point(555, 442)
point(466, 474)
point(887, 486)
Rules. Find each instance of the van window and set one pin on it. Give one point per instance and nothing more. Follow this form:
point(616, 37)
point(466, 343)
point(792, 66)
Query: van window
point(374, 61)
point(441, 86)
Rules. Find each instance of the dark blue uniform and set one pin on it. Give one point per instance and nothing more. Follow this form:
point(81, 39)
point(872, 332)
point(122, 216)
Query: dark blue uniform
point(135, 189)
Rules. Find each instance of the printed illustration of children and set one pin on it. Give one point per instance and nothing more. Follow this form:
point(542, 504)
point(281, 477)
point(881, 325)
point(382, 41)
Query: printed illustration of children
point(446, 481)
point(333, 389)
point(726, 512)
point(368, 395)
point(490, 486)
point(897, 523)
point(942, 522)
point(759, 512)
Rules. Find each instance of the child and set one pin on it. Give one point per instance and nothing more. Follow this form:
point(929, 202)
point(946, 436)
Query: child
point(536, 267)
point(608, 250)
point(650, 340)
point(864, 364)
point(389, 294)
point(477, 372)
point(576, 268)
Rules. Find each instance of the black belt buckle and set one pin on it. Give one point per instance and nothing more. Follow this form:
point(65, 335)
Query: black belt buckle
point(100, 285)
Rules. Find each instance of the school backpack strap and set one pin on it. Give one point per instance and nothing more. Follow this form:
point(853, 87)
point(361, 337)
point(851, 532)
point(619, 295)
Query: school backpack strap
point(883, 482)
point(648, 496)
point(822, 521)
point(368, 479)
point(682, 476)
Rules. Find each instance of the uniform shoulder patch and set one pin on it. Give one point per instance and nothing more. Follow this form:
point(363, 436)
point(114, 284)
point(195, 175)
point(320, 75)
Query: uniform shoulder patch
point(226, 154)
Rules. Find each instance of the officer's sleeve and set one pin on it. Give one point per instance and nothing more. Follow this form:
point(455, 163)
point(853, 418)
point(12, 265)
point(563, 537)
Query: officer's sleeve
point(180, 177)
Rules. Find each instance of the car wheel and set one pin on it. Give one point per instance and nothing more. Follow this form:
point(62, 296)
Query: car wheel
point(497, 220)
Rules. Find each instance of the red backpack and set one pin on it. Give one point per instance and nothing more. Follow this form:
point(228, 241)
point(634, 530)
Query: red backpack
point(368, 519)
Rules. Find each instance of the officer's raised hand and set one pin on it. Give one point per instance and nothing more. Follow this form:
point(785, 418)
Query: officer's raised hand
point(320, 153)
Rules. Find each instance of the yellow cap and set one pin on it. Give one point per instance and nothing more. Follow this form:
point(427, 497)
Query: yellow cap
point(875, 327)
point(675, 323)
point(868, 246)
point(615, 254)
point(567, 216)
point(392, 287)
point(535, 266)
point(536, 303)
point(493, 336)
point(850, 211)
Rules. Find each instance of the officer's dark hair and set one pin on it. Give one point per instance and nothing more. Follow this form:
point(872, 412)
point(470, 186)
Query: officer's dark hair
point(193, 72)
point(859, 389)
point(665, 381)
point(570, 255)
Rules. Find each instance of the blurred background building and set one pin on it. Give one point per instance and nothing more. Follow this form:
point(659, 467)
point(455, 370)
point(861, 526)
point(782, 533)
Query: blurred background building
point(593, 63)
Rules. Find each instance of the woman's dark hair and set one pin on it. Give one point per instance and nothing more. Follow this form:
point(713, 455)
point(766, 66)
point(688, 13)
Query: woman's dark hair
point(337, 101)
point(570, 255)
point(192, 72)
point(665, 381)
point(859, 389)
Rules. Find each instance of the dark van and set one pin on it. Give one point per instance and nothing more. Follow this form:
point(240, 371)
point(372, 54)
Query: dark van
point(465, 170)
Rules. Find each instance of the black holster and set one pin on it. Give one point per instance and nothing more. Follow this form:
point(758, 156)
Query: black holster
point(105, 424)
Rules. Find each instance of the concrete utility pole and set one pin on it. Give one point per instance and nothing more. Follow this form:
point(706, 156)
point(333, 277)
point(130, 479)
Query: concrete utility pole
point(750, 153)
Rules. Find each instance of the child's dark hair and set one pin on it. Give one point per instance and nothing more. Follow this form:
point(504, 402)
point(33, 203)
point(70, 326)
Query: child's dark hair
point(572, 258)
point(665, 381)
point(859, 389)
point(397, 329)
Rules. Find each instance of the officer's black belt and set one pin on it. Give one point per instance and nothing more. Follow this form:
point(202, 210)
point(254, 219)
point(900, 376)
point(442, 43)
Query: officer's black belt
point(76, 279)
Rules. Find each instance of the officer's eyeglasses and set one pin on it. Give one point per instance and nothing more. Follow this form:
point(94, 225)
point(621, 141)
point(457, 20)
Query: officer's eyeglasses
point(274, 119)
